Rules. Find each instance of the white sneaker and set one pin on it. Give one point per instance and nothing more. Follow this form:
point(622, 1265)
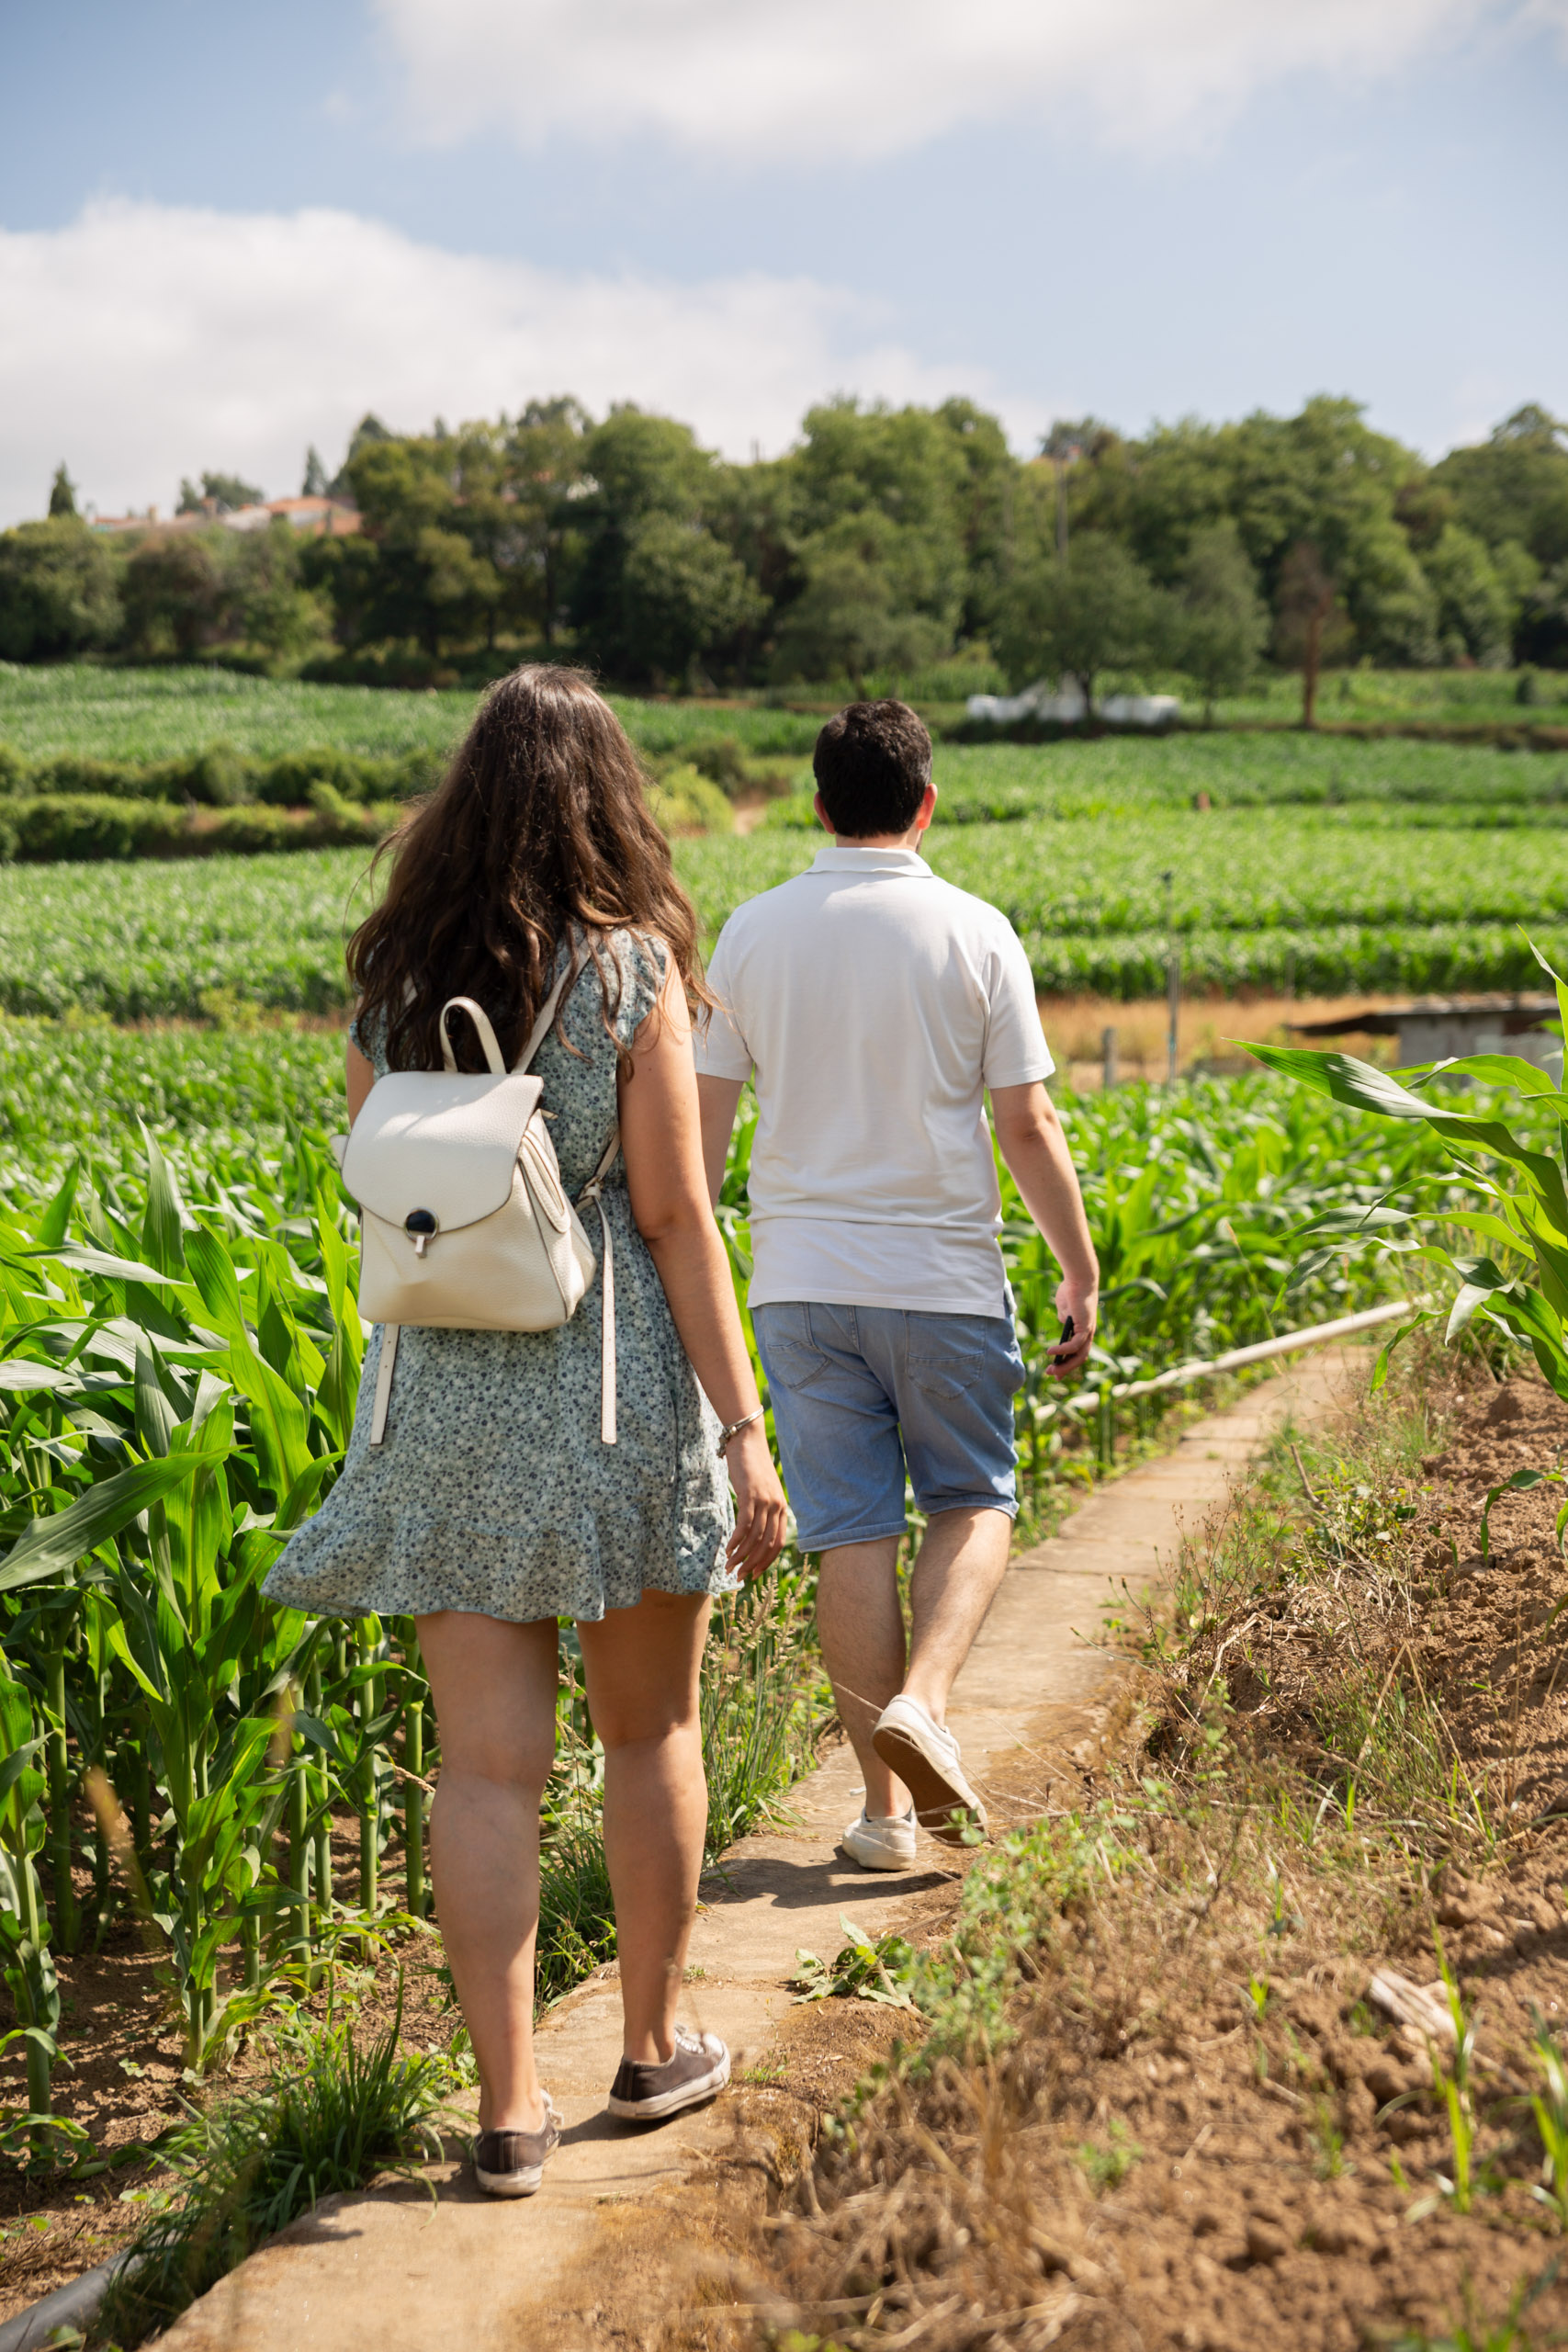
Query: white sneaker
point(925, 1755)
point(883, 1845)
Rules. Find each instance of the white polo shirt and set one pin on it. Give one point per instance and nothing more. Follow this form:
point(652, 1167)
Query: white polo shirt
point(873, 1005)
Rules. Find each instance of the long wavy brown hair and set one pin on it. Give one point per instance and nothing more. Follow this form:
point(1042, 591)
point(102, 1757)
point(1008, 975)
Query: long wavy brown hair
point(538, 827)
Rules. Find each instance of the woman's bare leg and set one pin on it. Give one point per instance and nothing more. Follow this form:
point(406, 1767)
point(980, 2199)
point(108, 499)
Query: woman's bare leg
point(641, 1667)
point(494, 1688)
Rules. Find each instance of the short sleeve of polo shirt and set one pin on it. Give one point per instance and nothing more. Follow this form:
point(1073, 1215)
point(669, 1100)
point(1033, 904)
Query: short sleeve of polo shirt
point(717, 1044)
point(1015, 1051)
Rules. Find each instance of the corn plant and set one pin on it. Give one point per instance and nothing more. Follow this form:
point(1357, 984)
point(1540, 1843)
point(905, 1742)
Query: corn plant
point(1523, 1206)
point(25, 1958)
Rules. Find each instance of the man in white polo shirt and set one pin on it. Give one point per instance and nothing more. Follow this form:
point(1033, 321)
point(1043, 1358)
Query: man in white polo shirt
point(874, 1007)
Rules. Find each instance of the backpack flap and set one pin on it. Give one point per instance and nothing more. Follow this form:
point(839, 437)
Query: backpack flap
point(438, 1141)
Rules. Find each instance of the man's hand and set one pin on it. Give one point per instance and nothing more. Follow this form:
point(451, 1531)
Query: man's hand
point(1082, 1304)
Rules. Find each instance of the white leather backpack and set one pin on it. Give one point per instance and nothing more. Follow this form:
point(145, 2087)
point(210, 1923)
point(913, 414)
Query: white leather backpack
point(464, 1223)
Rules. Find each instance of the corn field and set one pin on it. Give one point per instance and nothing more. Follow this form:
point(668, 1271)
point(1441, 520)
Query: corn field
point(178, 1370)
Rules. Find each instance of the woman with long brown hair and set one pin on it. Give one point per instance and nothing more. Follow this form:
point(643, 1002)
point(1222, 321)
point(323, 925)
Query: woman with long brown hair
point(492, 1508)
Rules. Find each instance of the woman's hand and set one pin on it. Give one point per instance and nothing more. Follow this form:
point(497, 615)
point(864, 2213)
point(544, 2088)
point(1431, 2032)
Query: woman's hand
point(760, 1506)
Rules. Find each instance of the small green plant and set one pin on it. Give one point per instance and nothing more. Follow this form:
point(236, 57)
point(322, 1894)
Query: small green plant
point(1106, 2163)
point(1476, 2335)
point(1329, 2162)
point(1550, 2107)
point(865, 1970)
point(254, 2163)
point(1452, 2085)
point(1259, 1992)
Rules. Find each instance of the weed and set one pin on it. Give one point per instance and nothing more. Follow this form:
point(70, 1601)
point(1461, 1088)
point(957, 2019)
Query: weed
point(1108, 2161)
point(866, 1970)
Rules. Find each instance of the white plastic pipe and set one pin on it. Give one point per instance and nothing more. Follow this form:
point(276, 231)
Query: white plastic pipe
point(1315, 1336)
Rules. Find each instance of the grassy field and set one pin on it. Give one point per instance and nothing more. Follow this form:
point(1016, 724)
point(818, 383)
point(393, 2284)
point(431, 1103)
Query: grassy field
point(1311, 900)
point(83, 710)
point(93, 713)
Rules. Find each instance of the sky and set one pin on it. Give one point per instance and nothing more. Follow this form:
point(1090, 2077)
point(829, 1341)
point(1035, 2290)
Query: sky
point(226, 232)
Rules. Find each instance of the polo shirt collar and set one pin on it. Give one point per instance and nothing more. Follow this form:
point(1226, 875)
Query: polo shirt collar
point(874, 860)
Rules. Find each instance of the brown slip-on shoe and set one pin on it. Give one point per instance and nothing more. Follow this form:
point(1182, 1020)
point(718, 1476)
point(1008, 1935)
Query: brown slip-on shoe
point(698, 2069)
point(512, 2163)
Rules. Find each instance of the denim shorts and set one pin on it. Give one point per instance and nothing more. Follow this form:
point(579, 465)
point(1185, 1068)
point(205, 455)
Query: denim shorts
point(858, 1392)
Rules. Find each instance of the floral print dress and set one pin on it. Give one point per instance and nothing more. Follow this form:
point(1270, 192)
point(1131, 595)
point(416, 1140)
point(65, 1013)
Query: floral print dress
point(493, 1491)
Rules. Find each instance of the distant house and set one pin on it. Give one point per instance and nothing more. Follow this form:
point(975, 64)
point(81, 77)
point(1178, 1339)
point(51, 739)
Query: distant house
point(317, 518)
point(322, 518)
point(1064, 705)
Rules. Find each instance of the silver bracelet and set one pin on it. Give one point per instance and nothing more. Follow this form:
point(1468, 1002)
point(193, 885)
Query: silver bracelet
point(735, 1428)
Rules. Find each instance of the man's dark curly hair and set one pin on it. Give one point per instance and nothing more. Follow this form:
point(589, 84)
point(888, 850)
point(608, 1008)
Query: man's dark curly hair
point(873, 762)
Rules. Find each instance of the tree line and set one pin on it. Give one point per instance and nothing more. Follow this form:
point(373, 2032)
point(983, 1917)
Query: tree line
point(885, 541)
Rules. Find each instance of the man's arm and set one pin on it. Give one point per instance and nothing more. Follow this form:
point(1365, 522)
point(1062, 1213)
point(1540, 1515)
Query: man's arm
point(719, 1099)
point(1029, 1134)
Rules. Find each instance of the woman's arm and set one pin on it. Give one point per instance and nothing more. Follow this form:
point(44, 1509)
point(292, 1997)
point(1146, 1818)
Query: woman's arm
point(359, 1077)
point(662, 1143)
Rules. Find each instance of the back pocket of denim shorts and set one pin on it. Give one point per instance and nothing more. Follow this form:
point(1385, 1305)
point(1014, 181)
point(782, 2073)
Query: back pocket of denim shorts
point(946, 1353)
point(790, 1357)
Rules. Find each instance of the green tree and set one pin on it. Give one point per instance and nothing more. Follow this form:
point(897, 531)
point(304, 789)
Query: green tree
point(637, 468)
point(683, 596)
point(61, 493)
point(1076, 616)
point(226, 492)
point(1514, 485)
point(852, 616)
point(1221, 624)
point(315, 483)
point(1311, 625)
point(1542, 635)
point(427, 583)
point(58, 592)
point(898, 484)
point(275, 610)
point(176, 592)
point(545, 476)
point(1475, 611)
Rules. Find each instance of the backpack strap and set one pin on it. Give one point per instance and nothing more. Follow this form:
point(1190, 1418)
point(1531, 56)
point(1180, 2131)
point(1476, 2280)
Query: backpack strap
point(384, 1372)
point(547, 1012)
point(594, 1191)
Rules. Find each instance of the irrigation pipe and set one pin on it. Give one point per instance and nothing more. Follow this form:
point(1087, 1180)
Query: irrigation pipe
point(1315, 1336)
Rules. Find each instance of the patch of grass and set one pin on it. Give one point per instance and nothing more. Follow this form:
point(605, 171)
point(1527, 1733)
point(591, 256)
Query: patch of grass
point(331, 2113)
point(761, 1713)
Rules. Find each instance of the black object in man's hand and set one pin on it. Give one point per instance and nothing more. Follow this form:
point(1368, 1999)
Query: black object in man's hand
point(1065, 1333)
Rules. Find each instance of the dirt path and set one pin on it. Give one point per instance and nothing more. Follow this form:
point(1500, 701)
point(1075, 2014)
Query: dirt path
point(391, 2270)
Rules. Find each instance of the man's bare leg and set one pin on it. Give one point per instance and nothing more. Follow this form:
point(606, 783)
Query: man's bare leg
point(961, 1561)
point(860, 1626)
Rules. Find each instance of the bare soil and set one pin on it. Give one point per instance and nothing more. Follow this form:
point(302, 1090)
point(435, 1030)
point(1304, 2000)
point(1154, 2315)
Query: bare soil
point(1212, 1032)
point(1208, 2133)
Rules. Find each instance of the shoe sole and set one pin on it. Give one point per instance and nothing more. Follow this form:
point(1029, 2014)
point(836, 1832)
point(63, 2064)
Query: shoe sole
point(936, 1798)
point(654, 2110)
point(511, 2184)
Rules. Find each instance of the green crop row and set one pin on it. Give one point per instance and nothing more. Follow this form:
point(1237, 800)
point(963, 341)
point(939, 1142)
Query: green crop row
point(1318, 902)
point(80, 711)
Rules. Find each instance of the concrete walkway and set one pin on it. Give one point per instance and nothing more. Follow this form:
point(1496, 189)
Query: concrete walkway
point(389, 2269)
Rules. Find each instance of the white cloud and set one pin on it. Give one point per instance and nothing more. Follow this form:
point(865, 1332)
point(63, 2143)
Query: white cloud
point(800, 79)
point(145, 342)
